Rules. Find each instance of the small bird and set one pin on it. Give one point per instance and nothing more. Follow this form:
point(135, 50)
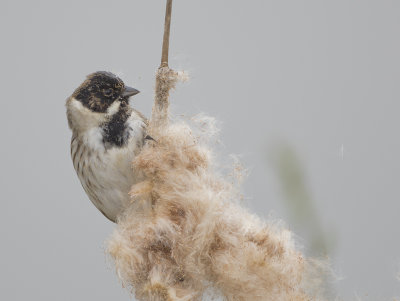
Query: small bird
point(107, 133)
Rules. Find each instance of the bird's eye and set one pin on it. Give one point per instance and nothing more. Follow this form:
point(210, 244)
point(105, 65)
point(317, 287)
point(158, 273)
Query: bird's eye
point(108, 92)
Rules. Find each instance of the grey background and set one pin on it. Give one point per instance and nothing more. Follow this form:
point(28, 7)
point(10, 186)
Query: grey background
point(321, 76)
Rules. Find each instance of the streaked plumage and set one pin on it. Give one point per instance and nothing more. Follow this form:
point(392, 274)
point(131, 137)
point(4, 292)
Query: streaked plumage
point(106, 135)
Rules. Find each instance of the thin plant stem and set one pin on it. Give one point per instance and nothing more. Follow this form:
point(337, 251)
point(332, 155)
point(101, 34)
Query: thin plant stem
point(167, 26)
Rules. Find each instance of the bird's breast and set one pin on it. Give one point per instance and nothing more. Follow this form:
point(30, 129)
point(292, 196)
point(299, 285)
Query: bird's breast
point(105, 170)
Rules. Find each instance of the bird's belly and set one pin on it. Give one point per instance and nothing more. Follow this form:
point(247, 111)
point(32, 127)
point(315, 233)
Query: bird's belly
point(106, 177)
point(110, 202)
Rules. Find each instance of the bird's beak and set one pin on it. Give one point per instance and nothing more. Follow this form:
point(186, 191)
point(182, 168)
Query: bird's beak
point(128, 92)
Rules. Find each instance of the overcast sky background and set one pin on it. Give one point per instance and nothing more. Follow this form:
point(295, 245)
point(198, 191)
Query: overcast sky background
point(321, 76)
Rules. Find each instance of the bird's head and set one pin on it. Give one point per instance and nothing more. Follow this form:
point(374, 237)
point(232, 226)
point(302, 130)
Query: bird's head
point(98, 97)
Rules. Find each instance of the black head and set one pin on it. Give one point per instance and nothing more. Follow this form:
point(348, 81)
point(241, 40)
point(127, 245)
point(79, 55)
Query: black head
point(101, 89)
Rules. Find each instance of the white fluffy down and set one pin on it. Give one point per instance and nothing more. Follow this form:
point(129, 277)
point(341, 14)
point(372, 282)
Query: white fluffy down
point(185, 233)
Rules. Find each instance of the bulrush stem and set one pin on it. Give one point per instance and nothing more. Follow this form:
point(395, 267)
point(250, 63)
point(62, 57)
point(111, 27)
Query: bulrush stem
point(167, 26)
point(166, 79)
